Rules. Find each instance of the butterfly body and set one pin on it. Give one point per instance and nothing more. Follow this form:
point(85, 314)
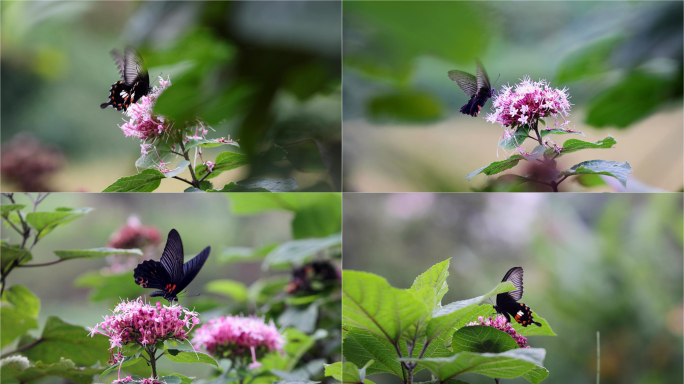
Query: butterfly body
point(477, 87)
point(169, 275)
point(507, 302)
point(134, 83)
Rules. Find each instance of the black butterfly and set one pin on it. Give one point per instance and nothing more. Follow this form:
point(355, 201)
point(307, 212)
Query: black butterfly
point(478, 88)
point(507, 303)
point(135, 81)
point(170, 275)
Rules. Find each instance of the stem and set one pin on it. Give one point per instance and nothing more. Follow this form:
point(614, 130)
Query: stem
point(536, 131)
point(42, 264)
point(497, 381)
point(22, 348)
point(182, 179)
point(598, 357)
point(194, 183)
point(153, 360)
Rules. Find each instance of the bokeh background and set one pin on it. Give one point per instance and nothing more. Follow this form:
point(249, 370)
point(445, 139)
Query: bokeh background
point(236, 278)
point(263, 73)
point(592, 263)
point(621, 60)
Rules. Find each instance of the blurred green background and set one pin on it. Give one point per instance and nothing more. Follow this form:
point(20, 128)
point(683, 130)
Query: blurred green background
point(621, 60)
point(241, 230)
point(264, 73)
point(592, 263)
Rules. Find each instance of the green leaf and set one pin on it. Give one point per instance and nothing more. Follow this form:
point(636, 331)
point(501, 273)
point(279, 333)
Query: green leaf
point(505, 365)
point(406, 106)
point(589, 61)
point(574, 145)
point(65, 369)
point(181, 356)
point(229, 288)
point(95, 253)
point(45, 222)
point(10, 253)
point(173, 379)
point(322, 217)
point(297, 252)
point(482, 338)
point(245, 254)
point(209, 143)
point(61, 339)
point(296, 382)
point(360, 346)
point(638, 95)
point(347, 372)
point(5, 209)
point(514, 139)
point(126, 361)
point(601, 167)
point(297, 343)
point(445, 318)
point(270, 185)
point(234, 187)
point(302, 318)
point(487, 310)
point(160, 152)
point(536, 375)
point(224, 162)
point(184, 379)
point(369, 302)
point(145, 181)
point(497, 166)
point(19, 315)
point(23, 300)
point(180, 168)
point(435, 278)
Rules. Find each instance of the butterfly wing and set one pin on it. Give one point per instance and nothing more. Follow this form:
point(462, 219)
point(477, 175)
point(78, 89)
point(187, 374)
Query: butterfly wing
point(119, 61)
point(191, 269)
point(151, 274)
point(482, 78)
point(172, 258)
point(467, 82)
point(133, 66)
point(515, 276)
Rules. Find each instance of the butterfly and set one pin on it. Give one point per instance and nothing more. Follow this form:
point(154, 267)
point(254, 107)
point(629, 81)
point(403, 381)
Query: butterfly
point(478, 88)
point(507, 302)
point(134, 83)
point(170, 274)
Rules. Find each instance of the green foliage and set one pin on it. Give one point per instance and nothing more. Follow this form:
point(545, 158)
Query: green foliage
point(405, 331)
point(574, 145)
point(10, 253)
point(497, 166)
point(504, 365)
point(406, 106)
point(601, 167)
point(18, 314)
point(229, 288)
point(145, 181)
point(316, 215)
point(125, 362)
point(638, 95)
point(588, 61)
point(348, 372)
point(63, 340)
point(108, 287)
point(181, 356)
point(297, 252)
point(45, 222)
point(517, 138)
point(65, 369)
point(95, 253)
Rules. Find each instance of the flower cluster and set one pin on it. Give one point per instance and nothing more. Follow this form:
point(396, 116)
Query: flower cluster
point(29, 163)
point(528, 101)
point(238, 337)
point(500, 323)
point(132, 235)
point(144, 124)
point(141, 323)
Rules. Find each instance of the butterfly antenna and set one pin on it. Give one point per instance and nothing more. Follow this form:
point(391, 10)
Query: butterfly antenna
point(497, 79)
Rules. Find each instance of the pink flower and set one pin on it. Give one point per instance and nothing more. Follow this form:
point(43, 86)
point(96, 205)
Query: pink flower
point(500, 323)
point(528, 101)
point(210, 165)
point(141, 323)
point(126, 379)
point(238, 337)
point(132, 235)
point(144, 124)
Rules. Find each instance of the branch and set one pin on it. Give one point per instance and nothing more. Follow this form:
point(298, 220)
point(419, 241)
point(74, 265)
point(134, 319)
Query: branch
point(183, 180)
point(22, 348)
point(42, 264)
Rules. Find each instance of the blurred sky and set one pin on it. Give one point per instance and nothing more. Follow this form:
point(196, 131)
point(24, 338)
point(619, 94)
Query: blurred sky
point(611, 263)
point(56, 70)
point(513, 39)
